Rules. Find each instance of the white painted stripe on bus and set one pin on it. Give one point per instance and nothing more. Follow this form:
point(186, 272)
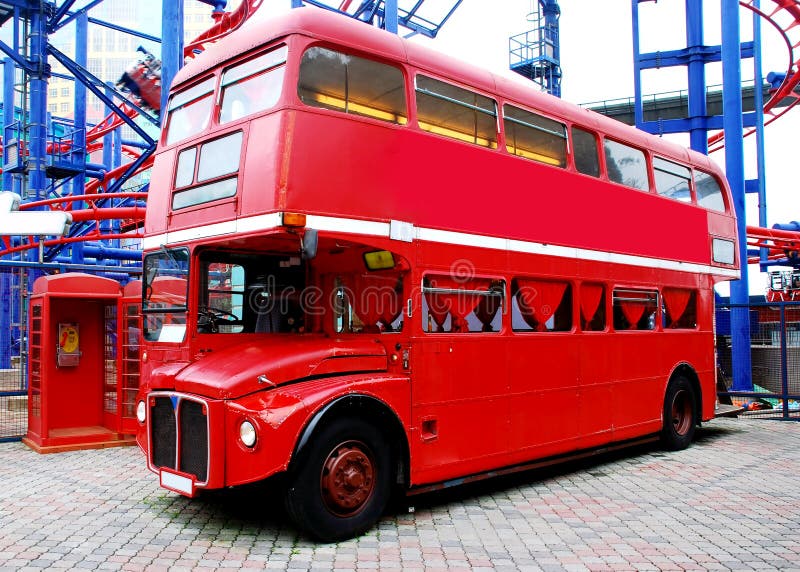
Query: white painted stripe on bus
point(382, 229)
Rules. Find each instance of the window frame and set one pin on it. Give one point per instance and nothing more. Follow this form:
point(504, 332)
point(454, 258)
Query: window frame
point(647, 164)
point(400, 121)
point(501, 311)
point(221, 86)
point(494, 98)
point(563, 136)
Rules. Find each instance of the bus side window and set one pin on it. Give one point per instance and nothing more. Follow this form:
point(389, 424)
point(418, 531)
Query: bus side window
point(626, 165)
point(679, 308)
point(672, 180)
point(584, 148)
point(456, 112)
point(457, 305)
point(635, 309)
point(341, 82)
point(709, 195)
point(535, 137)
point(541, 305)
point(368, 302)
point(593, 307)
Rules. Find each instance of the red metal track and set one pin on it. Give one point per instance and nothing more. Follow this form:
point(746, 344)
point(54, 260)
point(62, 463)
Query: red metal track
point(780, 243)
point(784, 16)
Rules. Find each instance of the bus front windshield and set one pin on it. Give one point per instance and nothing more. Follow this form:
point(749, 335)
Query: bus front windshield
point(165, 286)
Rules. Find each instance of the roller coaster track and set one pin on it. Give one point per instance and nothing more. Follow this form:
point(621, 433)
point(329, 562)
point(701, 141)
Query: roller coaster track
point(784, 17)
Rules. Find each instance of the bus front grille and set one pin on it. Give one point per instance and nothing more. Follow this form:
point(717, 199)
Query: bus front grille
point(179, 436)
point(194, 440)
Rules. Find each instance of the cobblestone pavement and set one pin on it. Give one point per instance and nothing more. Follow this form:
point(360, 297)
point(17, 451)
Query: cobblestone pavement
point(729, 502)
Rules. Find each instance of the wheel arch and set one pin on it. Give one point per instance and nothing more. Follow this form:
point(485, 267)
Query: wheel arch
point(364, 407)
point(686, 370)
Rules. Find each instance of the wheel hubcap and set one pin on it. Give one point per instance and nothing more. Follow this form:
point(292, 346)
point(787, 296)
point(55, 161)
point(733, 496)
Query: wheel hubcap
point(681, 412)
point(348, 478)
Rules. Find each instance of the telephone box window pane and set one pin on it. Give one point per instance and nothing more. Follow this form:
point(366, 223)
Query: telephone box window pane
point(626, 165)
point(709, 195)
point(190, 112)
point(585, 150)
point(333, 80)
point(184, 174)
point(672, 180)
point(455, 112)
point(220, 157)
point(252, 86)
point(535, 137)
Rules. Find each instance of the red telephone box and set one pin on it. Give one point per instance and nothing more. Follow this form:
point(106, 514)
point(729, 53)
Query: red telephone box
point(73, 384)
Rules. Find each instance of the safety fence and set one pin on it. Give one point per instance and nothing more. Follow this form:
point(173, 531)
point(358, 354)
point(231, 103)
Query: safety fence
point(13, 352)
point(774, 359)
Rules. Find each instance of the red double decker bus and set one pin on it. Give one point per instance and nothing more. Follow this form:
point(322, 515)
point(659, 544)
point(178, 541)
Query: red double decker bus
point(370, 268)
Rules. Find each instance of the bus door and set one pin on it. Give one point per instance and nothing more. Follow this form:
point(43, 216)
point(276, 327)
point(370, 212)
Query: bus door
point(459, 388)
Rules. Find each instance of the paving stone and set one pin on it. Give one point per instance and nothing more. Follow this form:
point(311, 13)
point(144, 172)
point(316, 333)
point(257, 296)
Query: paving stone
point(729, 502)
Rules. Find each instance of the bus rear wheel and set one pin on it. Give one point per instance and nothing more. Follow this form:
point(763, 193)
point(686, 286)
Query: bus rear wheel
point(680, 415)
point(341, 487)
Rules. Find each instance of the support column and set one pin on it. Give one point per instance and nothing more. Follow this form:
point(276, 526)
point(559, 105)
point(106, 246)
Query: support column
point(78, 155)
point(390, 16)
point(37, 81)
point(171, 47)
point(638, 108)
point(9, 72)
point(734, 161)
point(696, 69)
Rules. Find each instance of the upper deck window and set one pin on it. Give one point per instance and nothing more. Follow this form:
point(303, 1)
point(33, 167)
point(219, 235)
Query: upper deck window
point(190, 111)
point(333, 80)
point(535, 137)
point(455, 112)
point(584, 145)
point(252, 86)
point(709, 195)
point(672, 180)
point(626, 165)
point(217, 159)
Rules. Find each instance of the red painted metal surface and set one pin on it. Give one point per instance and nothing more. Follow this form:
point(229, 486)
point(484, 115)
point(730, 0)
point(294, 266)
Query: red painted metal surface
point(465, 402)
point(66, 401)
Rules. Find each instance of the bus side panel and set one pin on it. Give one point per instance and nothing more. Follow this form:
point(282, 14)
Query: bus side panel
point(447, 180)
point(543, 394)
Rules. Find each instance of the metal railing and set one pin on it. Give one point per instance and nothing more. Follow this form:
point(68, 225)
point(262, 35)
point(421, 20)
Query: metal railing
point(775, 359)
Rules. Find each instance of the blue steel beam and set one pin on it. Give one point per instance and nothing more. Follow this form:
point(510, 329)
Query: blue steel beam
point(734, 169)
point(79, 136)
point(696, 69)
point(172, 47)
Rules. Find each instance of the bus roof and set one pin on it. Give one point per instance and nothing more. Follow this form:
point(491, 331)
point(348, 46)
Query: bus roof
point(263, 28)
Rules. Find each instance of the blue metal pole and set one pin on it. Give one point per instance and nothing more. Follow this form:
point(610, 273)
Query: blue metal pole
point(390, 16)
point(698, 134)
point(37, 81)
point(108, 139)
point(734, 161)
point(171, 47)
point(297, 3)
point(638, 108)
point(9, 71)
point(552, 13)
point(758, 102)
point(79, 126)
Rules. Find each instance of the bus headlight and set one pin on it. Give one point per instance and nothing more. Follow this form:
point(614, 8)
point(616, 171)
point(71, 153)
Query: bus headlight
point(247, 433)
point(141, 411)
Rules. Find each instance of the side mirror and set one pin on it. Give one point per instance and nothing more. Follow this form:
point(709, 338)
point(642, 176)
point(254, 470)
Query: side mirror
point(308, 244)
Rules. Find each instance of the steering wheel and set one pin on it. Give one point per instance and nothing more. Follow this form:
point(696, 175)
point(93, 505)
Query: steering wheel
point(209, 315)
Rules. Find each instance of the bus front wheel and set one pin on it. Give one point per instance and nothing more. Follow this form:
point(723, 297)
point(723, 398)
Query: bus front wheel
point(680, 415)
point(342, 485)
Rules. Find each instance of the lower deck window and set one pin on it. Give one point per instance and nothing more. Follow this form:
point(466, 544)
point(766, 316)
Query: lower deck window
point(593, 307)
point(679, 308)
point(541, 305)
point(454, 305)
point(368, 302)
point(635, 309)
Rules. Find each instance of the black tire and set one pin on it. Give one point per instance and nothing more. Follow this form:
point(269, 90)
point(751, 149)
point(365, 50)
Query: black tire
point(342, 482)
point(680, 415)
